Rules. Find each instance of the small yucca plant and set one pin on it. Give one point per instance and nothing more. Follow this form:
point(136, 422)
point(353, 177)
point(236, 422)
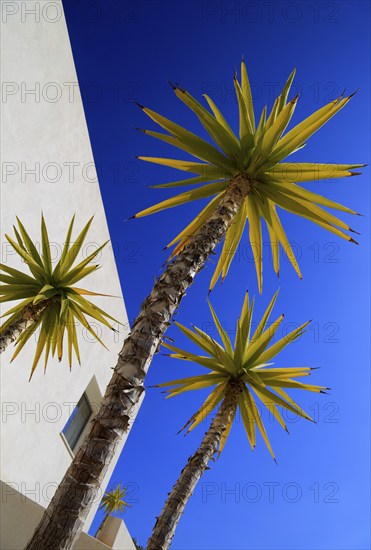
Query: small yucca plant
point(48, 297)
point(238, 374)
point(257, 153)
point(113, 502)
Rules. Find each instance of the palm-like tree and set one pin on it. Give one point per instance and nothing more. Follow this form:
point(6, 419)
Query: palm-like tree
point(113, 502)
point(237, 375)
point(48, 297)
point(257, 155)
point(242, 167)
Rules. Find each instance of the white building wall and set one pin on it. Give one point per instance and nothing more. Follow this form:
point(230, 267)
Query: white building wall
point(15, 533)
point(47, 166)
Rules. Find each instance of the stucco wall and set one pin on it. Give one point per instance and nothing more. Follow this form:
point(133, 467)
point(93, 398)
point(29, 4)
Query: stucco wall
point(115, 535)
point(15, 533)
point(47, 166)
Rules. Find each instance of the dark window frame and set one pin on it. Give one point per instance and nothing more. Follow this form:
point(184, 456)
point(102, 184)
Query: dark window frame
point(79, 414)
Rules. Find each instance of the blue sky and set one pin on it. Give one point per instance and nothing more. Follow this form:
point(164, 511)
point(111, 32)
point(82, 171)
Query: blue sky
point(318, 495)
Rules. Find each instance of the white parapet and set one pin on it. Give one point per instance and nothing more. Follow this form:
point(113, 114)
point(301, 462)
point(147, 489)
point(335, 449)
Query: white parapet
point(115, 535)
point(21, 514)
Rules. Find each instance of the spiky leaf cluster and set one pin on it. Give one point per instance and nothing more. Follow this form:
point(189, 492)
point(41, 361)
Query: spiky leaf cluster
point(258, 152)
point(113, 502)
point(247, 363)
point(66, 303)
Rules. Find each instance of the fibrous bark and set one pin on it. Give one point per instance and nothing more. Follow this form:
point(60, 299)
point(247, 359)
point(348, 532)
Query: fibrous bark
point(66, 513)
point(29, 316)
point(166, 523)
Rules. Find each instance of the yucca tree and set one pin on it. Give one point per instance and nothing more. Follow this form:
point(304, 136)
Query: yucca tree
point(237, 374)
point(242, 169)
point(113, 502)
point(255, 158)
point(48, 297)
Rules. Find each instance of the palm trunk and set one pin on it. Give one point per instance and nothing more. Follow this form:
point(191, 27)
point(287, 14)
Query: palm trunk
point(66, 513)
point(29, 316)
point(166, 523)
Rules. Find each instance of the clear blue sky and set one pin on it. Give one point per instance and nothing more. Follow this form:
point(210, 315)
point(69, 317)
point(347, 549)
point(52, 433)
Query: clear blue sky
point(318, 495)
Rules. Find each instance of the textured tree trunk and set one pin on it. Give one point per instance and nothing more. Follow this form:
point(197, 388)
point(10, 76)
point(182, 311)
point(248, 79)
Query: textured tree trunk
point(166, 523)
point(30, 315)
point(66, 513)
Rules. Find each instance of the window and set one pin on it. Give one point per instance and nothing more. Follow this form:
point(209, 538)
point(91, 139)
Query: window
point(77, 421)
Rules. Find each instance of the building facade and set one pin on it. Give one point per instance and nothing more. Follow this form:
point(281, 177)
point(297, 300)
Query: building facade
point(48, 167)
